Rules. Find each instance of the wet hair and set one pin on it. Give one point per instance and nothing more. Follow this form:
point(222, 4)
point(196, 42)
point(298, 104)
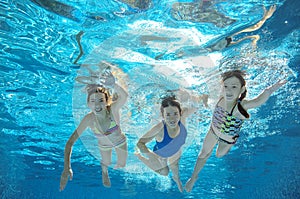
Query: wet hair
point(228, 40)
point(93, 88)
point(170, 101)
point(240, 75)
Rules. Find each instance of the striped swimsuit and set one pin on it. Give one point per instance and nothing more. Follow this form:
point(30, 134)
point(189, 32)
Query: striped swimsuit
point(225, 122)
point(113, 137)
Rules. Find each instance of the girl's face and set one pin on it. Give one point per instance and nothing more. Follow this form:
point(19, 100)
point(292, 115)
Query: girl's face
point(171, 116)
point(232, 89)
point(97, 103)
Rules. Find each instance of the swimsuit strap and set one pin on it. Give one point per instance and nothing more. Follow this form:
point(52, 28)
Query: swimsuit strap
point(112, 127)
point(232, 107)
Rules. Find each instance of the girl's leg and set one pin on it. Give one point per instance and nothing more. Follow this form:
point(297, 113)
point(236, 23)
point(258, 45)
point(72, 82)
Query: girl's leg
point(105, 162)
point(175, 171)
point(122, 154)
point(223, 149)
point(159, 165)
point(208, 145)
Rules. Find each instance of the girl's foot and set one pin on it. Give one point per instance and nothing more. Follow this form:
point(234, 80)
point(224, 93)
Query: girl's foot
point(179, 185)
point(117, 166)
point(105, 179)
point(189, 184)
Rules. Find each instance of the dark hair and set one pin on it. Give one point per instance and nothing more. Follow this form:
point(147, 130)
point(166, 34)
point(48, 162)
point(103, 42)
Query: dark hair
point(240, 75)
point(93, 88)
point(228, 40)
point(169, 101)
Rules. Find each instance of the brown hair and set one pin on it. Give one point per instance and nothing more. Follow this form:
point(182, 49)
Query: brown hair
point(170, 101)
point(240, 75)
point(91, 89)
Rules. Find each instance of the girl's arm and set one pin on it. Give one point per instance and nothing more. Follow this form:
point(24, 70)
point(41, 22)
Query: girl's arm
point(122, 96)
point(68, 151)
point(109, 81)
point(263, 97)
point(148, 137)
point(184, 96)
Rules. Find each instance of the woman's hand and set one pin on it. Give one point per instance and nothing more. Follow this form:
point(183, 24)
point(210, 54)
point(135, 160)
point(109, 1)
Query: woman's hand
point(64, 178)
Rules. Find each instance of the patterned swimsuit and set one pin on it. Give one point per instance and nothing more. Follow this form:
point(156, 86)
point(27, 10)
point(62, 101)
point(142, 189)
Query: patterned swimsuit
point(226, 123)
point(113, 137)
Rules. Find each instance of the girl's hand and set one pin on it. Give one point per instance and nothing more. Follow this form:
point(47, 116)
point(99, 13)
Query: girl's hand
point(64, 178)
point(107, 79)
point(276, 86)
point(205, 100)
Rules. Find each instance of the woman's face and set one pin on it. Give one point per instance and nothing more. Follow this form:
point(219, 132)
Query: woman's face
point(171, 116)
point(232, 89)
point(97, 103)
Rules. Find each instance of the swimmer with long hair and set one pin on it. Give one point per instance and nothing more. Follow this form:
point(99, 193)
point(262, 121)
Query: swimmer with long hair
point(228, 117)
point(104, 121)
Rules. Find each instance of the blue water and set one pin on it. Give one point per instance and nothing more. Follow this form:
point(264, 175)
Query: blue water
point(41, 103)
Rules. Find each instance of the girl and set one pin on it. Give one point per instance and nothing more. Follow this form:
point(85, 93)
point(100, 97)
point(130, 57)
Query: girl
point(228, 117)
point(104, 121)
point(170, 134)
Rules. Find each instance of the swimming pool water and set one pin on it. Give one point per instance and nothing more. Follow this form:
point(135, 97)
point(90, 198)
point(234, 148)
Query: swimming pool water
point(41, 103)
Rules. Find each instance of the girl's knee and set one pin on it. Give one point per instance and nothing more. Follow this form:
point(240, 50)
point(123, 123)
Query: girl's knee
point(221, 154)
point(121, 164)
point(164, 171)
point(105, 163)
point(218, 155)
point(204, 154)
point(222, 151)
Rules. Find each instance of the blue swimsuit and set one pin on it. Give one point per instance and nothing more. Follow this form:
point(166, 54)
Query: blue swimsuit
point(169, 146)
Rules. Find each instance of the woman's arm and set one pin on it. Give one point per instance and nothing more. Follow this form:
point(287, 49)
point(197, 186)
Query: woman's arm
point(263, 97)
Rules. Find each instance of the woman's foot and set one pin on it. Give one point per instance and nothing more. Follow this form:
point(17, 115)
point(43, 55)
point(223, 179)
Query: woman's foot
point(105, 179)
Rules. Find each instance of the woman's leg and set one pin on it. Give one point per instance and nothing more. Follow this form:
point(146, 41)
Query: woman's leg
point(122, 154)
point(208, 145)
point(105, 162)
